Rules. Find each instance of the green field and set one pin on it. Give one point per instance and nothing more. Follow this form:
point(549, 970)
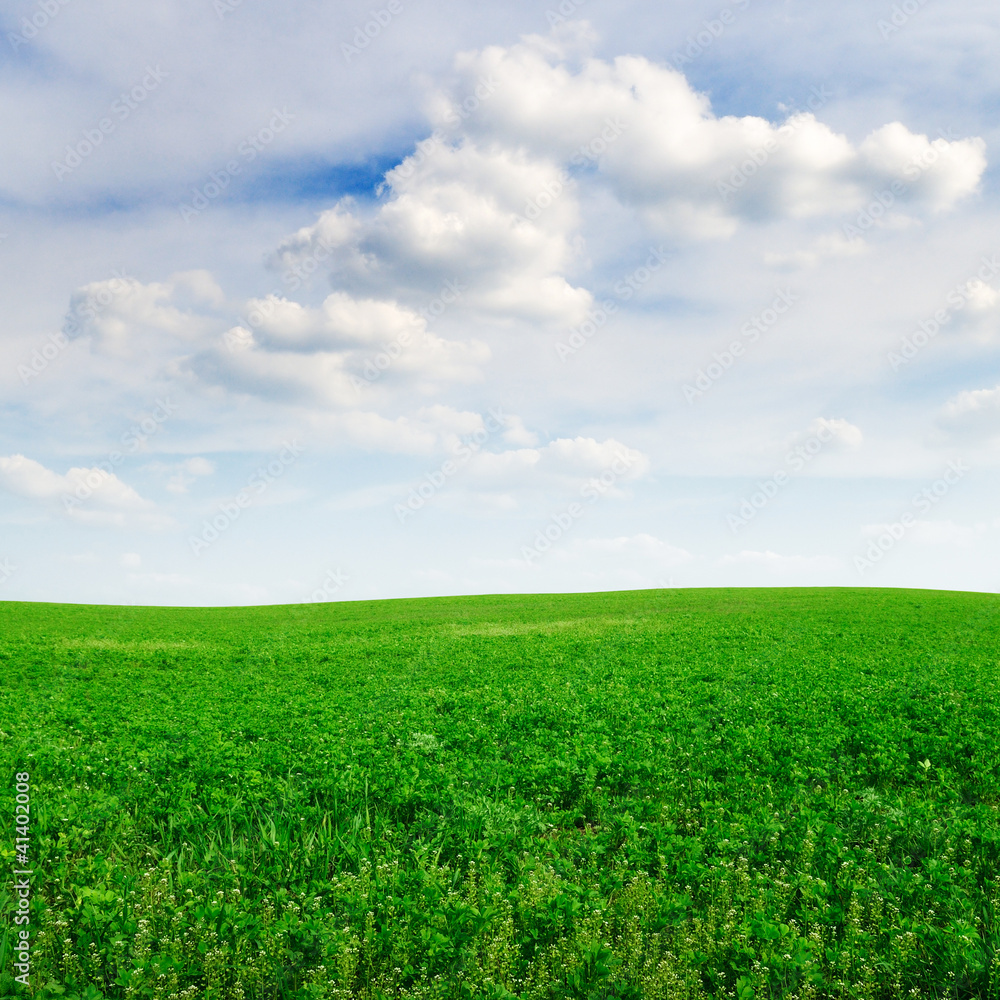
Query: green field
point(656, 794)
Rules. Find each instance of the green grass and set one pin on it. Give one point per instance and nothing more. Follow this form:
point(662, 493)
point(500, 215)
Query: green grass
point(658, 794)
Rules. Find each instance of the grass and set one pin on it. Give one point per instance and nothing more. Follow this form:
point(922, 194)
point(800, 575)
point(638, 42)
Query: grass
point(657, 794)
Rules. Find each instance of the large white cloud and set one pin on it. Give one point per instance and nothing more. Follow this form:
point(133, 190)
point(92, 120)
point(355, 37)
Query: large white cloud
point(488, 226)
point(488, 208)
point(347, 353)
point(659, 146)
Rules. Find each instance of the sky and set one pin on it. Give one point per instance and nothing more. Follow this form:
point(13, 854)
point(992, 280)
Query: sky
point(324, 302)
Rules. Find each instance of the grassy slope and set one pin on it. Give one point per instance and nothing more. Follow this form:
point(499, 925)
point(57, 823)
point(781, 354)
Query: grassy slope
point(677, 793)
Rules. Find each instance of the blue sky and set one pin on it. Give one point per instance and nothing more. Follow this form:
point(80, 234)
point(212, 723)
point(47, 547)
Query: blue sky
point(334, 302)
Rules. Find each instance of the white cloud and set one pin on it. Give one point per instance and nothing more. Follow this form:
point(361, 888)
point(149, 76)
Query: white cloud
point(429, 430)
point(341, 321)
point(482, 228)
point(834, 434)
point(87, 495)
point(565, 462)
point(973, 413)
point(124, 317)
point(974, 401)
point(936, 173)
point(660, 147)
point(187, 472)
point(199, 466)
point(342, 354)
point(292, 377)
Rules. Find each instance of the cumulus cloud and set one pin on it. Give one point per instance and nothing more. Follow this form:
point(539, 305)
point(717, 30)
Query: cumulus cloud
point(328, 354)
point(256, 363)
point(489, 228)
point(565, 461)
point(490, 203)
point(332, 355)
point(656, 142)
point(185, 473)
point(830, 434)
point(341, 321)
point(87, 495)
point(972, 413)
point(123, 316)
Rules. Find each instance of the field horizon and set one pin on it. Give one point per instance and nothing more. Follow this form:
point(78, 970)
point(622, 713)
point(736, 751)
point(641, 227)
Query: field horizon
point(500, 595)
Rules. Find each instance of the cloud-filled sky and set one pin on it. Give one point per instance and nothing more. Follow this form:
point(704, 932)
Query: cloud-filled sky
point(341, 301)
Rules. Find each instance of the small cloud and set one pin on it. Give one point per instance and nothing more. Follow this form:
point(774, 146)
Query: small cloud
point(130, 560)
point(974, 413)
point(188, 471)
point(87, 495)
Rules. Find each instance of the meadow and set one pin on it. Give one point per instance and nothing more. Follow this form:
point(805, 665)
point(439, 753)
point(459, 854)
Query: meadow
point(725, 793)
